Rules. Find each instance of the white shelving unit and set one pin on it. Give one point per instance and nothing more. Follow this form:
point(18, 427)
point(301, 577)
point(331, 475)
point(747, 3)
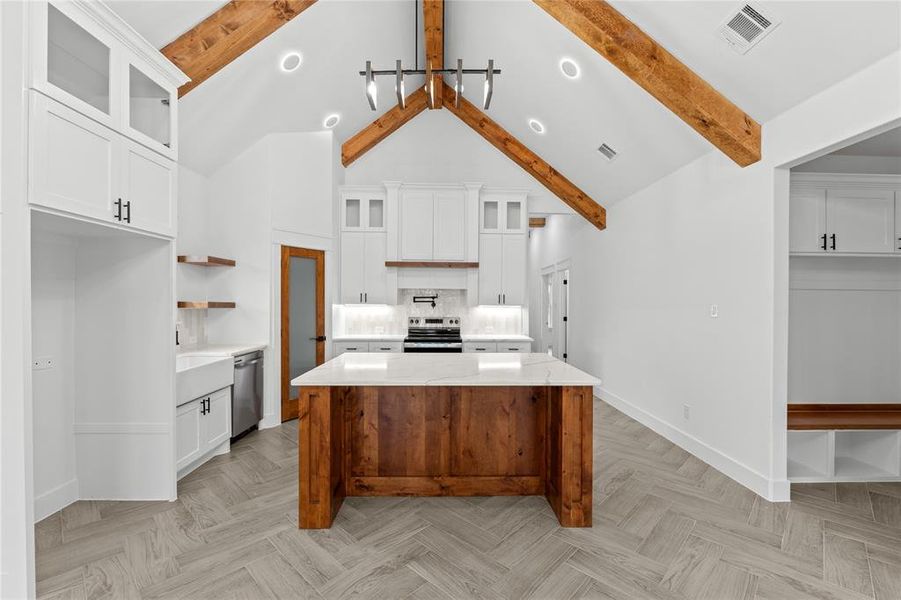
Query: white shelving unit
point(844, 456)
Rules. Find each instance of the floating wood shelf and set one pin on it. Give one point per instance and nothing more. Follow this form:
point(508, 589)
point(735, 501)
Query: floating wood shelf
point(844, 416)
point(537, 222)
point(206, 261)
point(431, 264)
point(205, 304)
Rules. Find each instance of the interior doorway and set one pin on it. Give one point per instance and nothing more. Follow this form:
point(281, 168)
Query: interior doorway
point(303, 319)
point(555, 285)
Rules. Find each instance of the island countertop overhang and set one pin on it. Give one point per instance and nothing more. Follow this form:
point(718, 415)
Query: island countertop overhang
point(445, 369)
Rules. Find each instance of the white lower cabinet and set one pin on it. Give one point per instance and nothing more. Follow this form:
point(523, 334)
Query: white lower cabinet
point(367, 346)
point(514, 346)
point(844, 455)
point(386, 346)
point(500, 346)
point(201, 426)
point(479, 346)
point(81, 167)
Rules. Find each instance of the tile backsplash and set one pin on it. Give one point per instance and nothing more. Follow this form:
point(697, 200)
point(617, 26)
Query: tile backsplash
point(191, 325)
point(392, 320)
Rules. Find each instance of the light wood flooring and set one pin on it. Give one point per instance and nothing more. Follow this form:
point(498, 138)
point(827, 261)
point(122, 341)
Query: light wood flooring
point(666, 526)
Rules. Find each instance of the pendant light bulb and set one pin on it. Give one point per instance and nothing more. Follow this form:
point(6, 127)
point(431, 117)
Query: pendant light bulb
point(371, 89)
point(489, 85)
point(399, 86)
point(458, 83)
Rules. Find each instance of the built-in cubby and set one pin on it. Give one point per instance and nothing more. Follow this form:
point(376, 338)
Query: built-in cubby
point(844, 455)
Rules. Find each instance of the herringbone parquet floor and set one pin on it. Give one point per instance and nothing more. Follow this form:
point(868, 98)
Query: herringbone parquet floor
point(666, 526)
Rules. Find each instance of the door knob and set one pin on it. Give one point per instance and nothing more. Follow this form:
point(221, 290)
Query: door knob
point(318, 338)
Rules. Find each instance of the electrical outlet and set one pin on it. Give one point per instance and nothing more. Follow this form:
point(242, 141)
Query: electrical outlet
point(714, 311)
point(42, 363)
point(686, 412)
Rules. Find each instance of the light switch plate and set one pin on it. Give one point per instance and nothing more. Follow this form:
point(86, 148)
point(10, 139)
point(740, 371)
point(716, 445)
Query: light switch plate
point(714, 311)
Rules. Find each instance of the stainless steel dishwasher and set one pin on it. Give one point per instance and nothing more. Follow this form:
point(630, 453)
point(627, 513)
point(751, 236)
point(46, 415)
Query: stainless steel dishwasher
point(247, 395)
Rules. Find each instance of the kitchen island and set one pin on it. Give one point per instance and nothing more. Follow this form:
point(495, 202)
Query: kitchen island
point(412, 424)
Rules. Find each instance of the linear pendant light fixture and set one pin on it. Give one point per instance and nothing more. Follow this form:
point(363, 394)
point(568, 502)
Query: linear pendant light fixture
point(399, 72)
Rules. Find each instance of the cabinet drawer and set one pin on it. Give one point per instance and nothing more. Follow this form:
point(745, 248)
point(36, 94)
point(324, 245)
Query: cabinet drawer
point(479, 347)
point(386, 346)
point(342, 347)
point(514, 346)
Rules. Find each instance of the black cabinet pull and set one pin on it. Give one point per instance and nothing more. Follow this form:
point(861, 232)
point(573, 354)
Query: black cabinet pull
point(366, 297)
point(505, 298)
point(824, 242)
point(498, 298)
point(361, 297)
point(118, 215)
point(833, 241)
point(128, 212)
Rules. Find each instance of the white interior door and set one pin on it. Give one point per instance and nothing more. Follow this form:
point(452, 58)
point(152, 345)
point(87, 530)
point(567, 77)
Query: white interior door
point(562, 282)
point(548, 312)
point(861, 220)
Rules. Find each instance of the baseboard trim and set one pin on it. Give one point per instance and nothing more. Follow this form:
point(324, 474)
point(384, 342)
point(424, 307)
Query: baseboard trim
point(56, 499)
point(772, 490)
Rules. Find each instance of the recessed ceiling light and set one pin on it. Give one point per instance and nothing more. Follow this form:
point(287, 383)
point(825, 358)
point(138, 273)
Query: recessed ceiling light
point(570, 68)
point(331, 121)
point(291, 61)
point(536, 125)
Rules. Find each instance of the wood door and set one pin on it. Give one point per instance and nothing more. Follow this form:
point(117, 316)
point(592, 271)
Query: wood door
point(861, 220)
point(292, 304)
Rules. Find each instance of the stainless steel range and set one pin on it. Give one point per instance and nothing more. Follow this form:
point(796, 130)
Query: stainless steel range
point(433, 334)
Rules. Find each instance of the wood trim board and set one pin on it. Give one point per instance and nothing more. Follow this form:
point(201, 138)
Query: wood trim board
point(843, 416)
point(431, 264)
point(206, 261)
point(204, 304)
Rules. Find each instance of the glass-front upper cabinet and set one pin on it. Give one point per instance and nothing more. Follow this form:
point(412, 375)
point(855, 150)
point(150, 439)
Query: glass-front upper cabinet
point(74, 61)
point(150, 110)
point(362, 210)
point(503, 213)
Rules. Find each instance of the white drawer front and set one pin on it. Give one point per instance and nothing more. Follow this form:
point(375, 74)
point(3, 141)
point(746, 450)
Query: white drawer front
point(386, 346)
point(342, 347)
point(514, 346)
point(480, 347)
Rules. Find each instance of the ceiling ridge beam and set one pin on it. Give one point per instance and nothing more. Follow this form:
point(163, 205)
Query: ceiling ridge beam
point(227, 34)
point(533, 164)
point(661, 74)
point(433, 25)
point(378, 130)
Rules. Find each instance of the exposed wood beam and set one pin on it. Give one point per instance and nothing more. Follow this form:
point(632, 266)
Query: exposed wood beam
point(516, 151)
point(227, 34)
point(433, 23)
point(536, 222)
point(661, 74)
point(382, 127)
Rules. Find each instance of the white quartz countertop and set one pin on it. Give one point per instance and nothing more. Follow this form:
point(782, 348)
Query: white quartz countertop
point(221, 349)
point(496, 337)
point(490, 369)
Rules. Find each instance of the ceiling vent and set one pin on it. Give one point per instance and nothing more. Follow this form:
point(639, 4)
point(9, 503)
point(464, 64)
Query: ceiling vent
point(607, 152)
point(746, 27)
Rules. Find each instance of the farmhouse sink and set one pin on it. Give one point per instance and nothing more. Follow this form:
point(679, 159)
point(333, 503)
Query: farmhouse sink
point(196, 376)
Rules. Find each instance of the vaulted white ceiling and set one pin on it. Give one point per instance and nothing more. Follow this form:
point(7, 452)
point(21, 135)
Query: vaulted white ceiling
point(818, 44)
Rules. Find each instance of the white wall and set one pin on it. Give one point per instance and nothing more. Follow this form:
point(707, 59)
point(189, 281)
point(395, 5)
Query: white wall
point(53, 390)
point(837, 163)
point(279, 191)
point(710, 233)
point(436, 147)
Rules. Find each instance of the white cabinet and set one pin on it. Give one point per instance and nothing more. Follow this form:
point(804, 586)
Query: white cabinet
point(73, 161)
point(514, 346)
point(386, 346)
point(201, 426)
point(502, 269)
point(843, 214)
point(363, 210)
point(503, 213)
point(81, 167)
point(898, 220)
point(367, 346)
point(479, 346)
point(87, 58)
point(432, 224)
point(342, 347)
point(364, 276)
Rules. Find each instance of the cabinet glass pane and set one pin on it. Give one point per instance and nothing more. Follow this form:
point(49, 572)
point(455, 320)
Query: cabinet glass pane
point(514, 215)
point(352, 212)
point(148, 106)
point(376, 213)
point(77, 62)
point(489, 216)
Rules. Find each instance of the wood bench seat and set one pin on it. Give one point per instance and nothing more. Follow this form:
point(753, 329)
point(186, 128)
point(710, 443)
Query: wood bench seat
point(844, 416)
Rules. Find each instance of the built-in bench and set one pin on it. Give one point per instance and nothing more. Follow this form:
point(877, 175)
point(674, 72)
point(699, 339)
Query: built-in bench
point(844, 442)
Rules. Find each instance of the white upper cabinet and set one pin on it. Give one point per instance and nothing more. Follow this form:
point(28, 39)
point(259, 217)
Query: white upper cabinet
point(364, 276)
point(898, 221)
point(503, 213)
point(432, 224)
point(84, 56)
point(502, 269)
point(514, 274)
point(148, 190)
point(363, 211)
point(843, 214)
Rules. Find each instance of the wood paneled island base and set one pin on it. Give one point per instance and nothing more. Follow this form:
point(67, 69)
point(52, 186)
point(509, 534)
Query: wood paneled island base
point(445, 441)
